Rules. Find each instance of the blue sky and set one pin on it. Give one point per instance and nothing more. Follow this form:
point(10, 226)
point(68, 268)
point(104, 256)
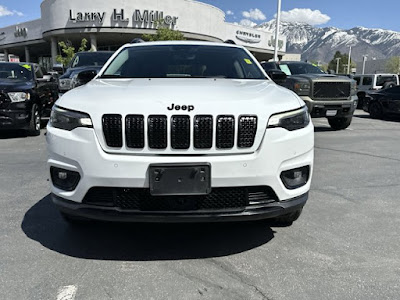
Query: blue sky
point(343, 14)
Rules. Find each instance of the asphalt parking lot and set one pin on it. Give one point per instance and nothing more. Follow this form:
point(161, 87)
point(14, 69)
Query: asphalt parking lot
point(344, 246)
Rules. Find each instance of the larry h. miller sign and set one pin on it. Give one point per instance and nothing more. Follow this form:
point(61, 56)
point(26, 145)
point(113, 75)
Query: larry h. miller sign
point(145, 18)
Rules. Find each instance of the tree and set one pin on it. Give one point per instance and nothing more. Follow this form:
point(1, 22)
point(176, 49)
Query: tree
point(393, 65)
point(68, 51)
point(344, 58)
point(164, 33)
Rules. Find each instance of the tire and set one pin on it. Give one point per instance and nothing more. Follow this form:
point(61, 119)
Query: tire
point(35, 122)
point(340, 123)
point(73, 220)
point(388, 85)
point(375, 110)
point(360, 102)
point(288, 219)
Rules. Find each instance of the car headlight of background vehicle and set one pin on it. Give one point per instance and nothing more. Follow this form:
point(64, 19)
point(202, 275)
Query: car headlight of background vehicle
point(292, 120)
point(353, 88)
point(68, 120)
point(302, 88)
point(65, 83)
point(19, 96)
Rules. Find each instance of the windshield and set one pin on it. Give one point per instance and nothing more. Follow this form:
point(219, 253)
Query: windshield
point(183, 61)
point(299, 68)
point(90, 59)
point(15, 71)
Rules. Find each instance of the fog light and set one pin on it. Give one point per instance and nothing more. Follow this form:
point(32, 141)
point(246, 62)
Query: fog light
point(64, 179)
point(295, 178)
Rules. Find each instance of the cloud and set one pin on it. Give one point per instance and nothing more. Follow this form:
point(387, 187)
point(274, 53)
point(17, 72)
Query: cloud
point(254, 14)
point(230, 13)
point(305, 15)
point(247, 23)
point(4, 11)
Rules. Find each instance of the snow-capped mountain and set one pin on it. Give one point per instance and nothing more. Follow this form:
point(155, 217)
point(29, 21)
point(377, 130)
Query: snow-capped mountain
point(320, 44)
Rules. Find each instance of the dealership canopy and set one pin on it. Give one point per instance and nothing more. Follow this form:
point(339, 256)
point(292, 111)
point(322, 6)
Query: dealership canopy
point(107, 25)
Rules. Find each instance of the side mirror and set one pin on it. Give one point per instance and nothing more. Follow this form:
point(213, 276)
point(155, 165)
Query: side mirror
point(277, 75)
point(85, 76)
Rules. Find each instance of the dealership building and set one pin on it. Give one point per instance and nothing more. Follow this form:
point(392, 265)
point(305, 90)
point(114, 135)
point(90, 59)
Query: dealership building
point(107, 25)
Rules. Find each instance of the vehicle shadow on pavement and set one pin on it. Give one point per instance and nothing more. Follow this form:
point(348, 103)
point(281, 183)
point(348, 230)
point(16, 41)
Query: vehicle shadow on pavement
point(322, 128)
point(13, 134)
point(140, 242)
point(385, 118)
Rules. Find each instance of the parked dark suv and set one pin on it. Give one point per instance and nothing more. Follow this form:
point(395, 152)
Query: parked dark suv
point(82, 61)
point(26, 94)
point(330, 96)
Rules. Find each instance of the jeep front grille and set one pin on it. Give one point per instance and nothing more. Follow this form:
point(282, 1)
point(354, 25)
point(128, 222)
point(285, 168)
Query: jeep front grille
point(225, 132)
point(180, 132)
point(157, 132)
point(180, 135)
point(203, 132)
point(247, 131)
point(112, 128)
point(134, 131)
point(331, 90)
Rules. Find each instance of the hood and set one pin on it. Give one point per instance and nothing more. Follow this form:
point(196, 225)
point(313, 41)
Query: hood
point(72, 71)
point(329, 77)
point(160, 96)
point(10, 85)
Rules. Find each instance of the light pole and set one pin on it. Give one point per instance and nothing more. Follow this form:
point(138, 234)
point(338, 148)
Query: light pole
point(349, 62)
point(337, 64)
point(364, 60)
point(278, 21)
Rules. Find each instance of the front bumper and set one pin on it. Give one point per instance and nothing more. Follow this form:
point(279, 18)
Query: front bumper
point(260, 212)
point(15, 119)
point(322, 109)
point(79, 151)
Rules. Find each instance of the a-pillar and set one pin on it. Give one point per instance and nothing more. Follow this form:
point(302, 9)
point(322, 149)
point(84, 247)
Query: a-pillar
point(53, 50)
point(27, 54)
point(5, 51)
point(93, 42)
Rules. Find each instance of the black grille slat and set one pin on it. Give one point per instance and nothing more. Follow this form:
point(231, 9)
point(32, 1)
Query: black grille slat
point(180, 132)
point(331, 90)
point(203, 132)
point(112, 129)
point(247, 131)
point(225, 132)
point(157, 131)
point(134, 131)
point(235, 198)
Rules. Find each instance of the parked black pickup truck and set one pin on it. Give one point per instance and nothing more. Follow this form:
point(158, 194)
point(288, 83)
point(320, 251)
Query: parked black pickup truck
point(326, 96)
point(26, 94)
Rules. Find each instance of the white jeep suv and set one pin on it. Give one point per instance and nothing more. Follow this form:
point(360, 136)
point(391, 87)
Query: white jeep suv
point(180, 132)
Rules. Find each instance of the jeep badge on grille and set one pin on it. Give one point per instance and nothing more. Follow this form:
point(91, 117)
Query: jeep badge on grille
point(189, 108)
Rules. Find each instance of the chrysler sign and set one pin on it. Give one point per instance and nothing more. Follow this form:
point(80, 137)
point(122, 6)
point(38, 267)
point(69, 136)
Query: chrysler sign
point(248, 37)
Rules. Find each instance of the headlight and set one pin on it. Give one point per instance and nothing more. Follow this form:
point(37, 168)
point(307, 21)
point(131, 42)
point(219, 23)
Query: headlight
point(65, 83)
point(353, 88)
point(292, 120)
point(75, 81)
point(19, 96)
point(302, 88)
point(68, 120)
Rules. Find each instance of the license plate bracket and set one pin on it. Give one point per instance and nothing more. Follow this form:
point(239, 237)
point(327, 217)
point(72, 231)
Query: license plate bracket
point(331, 112)
point(180, 179)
